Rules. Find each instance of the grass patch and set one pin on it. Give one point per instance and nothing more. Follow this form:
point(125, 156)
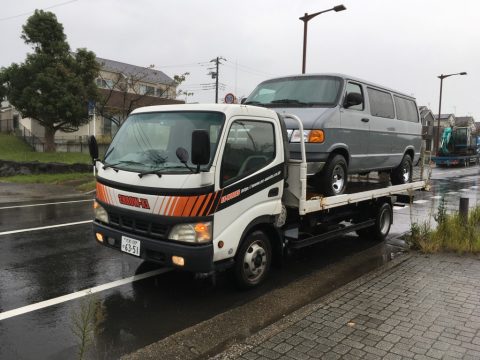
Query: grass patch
point(14, 149)
point(452, 234)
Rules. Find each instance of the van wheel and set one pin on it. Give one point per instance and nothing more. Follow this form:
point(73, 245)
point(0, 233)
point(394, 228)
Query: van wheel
point(253, 260)
point(381, 228)
point(402, 174)
point(333, 178)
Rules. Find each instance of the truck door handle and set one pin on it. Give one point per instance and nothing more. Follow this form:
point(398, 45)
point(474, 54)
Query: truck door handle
point(365, 119)
point(273, 192)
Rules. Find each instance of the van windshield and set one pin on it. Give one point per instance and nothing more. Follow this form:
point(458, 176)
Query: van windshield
point(149, 141)
point(297, 91)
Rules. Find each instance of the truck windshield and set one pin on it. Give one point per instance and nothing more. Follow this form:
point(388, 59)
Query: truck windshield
point(149, 141)
point(297, 91)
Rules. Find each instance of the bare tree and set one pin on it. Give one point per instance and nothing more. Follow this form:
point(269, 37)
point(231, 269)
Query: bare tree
point(122, 93)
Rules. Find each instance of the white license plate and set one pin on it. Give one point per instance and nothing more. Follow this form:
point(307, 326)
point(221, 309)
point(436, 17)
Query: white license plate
point(130, 246)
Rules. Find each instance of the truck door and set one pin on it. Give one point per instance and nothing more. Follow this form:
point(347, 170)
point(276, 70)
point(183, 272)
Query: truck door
point(251, 180)
point(355, 128)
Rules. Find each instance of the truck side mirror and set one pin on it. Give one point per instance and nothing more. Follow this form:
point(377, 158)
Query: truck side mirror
point(243, 100)
point(200, 147)
point(353, 99)
point(93, 148)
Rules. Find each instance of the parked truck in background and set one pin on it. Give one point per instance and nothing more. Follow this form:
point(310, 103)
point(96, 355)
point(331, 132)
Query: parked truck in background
point(210, 187)
point(458, 146)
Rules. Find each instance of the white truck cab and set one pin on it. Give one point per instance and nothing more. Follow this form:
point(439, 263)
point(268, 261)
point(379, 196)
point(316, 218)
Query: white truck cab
point(205, 187)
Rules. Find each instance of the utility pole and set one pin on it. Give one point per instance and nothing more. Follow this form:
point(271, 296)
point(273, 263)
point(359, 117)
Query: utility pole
point(215, 75)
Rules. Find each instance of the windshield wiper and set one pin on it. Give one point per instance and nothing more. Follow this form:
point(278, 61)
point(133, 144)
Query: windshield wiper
point(106, 166)
point(252, 103)
point(156, 172)
point(288, 101)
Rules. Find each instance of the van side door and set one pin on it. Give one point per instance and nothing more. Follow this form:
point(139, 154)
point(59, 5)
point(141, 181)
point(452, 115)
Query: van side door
point(355, 128)
point(383, 130)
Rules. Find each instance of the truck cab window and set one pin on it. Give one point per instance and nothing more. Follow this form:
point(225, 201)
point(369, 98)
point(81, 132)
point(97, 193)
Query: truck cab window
point(250, 146)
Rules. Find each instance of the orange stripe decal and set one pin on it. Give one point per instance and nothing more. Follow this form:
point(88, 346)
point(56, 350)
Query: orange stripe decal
point(213, 202)
point(174, 204)
point(189, 206)
point(160, 208)
point(205, 205)
point(197, 205)
point(180, 206)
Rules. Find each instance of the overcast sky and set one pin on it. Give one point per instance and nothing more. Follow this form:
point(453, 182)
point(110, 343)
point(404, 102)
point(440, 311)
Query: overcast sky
point(403, 44)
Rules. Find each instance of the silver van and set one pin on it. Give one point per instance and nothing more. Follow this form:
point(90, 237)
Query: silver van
point(351, 126)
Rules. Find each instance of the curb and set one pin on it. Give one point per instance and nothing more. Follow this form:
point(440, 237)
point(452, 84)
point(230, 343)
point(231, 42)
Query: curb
point(209, 338)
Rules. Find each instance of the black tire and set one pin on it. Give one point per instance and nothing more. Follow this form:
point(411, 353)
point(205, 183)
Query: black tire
point(402, 174)
point(381, 228)
point(333, 178)
point(253, 260)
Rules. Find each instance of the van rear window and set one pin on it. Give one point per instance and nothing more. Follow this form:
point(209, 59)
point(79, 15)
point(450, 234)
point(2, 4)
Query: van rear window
point(381, 103)
point(406, 109)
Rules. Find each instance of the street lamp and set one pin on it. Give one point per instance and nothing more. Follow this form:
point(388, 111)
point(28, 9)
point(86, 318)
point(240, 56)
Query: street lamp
point(305, 20)
point(441, 77)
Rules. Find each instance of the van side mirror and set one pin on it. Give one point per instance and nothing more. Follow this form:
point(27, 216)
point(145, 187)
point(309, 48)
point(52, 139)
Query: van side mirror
point(243, 100)
point(93, 148)
point(352, 99)
point(200, 147)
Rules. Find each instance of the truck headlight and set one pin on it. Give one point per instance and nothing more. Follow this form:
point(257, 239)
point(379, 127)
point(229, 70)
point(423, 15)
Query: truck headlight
point(100, 213)
point(193, 233)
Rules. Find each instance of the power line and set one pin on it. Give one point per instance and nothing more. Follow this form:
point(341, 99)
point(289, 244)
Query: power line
point(250, 69)
point(31, 12)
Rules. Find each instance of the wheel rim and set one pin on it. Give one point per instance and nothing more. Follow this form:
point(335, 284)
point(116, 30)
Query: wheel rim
point(384, 222)
point(338, 179)
point(255, 261)
point(406, 173)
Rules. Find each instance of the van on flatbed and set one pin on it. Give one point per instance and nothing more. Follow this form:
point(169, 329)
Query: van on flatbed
point(351, 126)
point(209, 187)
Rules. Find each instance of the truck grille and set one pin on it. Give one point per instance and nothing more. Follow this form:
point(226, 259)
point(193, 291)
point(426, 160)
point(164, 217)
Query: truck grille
point(138, 226)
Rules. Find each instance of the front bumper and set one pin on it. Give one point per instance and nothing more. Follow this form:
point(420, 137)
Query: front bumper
point(198, 258)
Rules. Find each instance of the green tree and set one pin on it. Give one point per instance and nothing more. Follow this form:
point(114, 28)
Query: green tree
point(53, 85)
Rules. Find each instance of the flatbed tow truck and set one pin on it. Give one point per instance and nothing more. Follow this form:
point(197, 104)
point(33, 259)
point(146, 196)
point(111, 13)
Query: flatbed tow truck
point(209, 187)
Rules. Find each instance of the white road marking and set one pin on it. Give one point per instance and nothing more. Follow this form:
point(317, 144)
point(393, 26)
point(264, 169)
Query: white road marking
point(401, 207)
point(465, 190)
point(474, 187)
point(421, 201)
point(58, 300)
point(452, 193)
point(43, 204)
point(44, 227)
point(436, 197)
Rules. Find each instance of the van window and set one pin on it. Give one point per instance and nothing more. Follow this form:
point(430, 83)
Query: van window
point(381, 103)
point(355, 88)
point(406, 109)
point(297, 91)
point(250, 146)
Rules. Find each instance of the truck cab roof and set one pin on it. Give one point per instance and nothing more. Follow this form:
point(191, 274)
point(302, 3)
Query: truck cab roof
point(228, 109)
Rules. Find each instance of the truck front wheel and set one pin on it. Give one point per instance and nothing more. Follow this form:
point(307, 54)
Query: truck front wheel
point(253, 260)
point(333, 177)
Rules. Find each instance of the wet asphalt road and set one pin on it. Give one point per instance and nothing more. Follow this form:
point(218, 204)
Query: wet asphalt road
point(48, 263)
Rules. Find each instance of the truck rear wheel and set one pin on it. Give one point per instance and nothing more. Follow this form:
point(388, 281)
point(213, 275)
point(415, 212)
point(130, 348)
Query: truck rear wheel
point(383, 222)
point(402, 174)
point(253, 260)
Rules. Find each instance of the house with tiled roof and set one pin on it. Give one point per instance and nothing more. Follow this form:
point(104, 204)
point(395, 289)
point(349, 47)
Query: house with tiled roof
point(123, 87)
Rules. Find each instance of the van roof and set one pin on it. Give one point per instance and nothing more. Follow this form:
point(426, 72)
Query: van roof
point(346, 77)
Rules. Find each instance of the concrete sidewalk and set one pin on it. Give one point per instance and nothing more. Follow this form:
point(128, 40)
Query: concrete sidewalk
point(422, 307)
